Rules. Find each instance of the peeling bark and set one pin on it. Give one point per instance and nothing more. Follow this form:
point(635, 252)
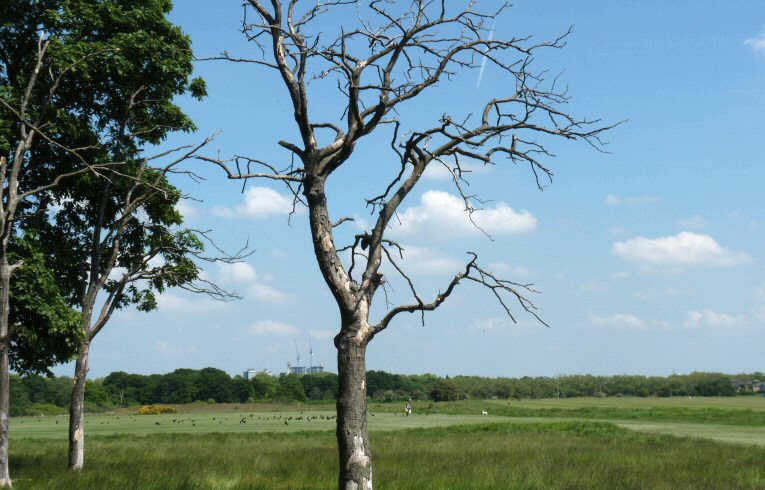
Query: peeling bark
point(5, 476)
point(352, 431)
point(5, 405)
point(77, 411)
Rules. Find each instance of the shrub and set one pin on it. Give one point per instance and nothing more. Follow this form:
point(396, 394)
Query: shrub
point(45, 409)
point(156, 409)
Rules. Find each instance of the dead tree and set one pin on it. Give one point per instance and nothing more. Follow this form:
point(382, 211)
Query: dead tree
point(394, 52)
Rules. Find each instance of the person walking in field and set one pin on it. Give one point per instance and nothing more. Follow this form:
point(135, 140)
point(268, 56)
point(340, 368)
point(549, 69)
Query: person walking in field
point(408, 408)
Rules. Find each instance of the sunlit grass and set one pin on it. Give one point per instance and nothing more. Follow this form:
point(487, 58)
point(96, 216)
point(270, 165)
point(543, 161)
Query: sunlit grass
point(485, 456)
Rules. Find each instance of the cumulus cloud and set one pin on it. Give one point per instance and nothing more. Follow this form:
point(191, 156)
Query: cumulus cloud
point(188, 211)
point(694, 320)
point(236, 272)
point(273, 328)
point(242, 274)
point(259, 202)
point(181, 304)
point(613, 200)
point(681, 250)
point(442, 214)
point(623, 321)
point(503, 267)
point(267, 293)
point(695, 221)
point(424, 260)
point(711, 319)
point(757, 44)
point(440, 172)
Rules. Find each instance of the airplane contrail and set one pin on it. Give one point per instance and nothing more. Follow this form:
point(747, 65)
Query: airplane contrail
point(483, 62)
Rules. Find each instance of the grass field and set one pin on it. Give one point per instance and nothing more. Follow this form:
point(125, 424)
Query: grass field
point(580, 443)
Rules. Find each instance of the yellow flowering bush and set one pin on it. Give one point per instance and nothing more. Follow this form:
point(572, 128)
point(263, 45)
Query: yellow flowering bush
point(156, 409)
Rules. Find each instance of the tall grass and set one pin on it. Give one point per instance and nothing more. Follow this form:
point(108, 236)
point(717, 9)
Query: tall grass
point(569, 455)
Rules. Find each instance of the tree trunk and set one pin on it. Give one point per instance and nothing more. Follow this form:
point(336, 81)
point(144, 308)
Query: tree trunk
point(77, 410)
point(352, 431)
point(5, 412)
point(5, 388)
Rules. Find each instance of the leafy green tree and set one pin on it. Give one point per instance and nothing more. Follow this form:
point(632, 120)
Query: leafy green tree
point(46, 328)
point(124, 62)
point(320, 386)
point(264, 386)
point(241, 390)
point(180, 386)
point(289, 388)
point(446, 390)
point(215, 384)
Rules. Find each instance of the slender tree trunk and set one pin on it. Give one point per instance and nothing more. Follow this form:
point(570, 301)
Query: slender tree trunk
point(5, 407)
point(77, 410)
point(352, 431)
point(5, 389)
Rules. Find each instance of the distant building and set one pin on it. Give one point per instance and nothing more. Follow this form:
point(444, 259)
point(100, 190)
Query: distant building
point(315, 369)
point(301, 370)
point(251, 373)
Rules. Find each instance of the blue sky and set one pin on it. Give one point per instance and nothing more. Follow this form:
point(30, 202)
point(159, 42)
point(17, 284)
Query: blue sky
point(649, 258)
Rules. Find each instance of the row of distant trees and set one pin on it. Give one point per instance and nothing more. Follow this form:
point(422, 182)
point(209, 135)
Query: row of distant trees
point(36, 394)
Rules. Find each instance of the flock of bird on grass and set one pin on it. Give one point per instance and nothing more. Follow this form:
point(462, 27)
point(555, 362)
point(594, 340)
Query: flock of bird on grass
point(244, 418)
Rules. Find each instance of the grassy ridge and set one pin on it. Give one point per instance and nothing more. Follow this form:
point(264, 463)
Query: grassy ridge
point(480, 456)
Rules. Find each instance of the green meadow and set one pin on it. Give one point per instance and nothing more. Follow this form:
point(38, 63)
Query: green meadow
point(574, 443)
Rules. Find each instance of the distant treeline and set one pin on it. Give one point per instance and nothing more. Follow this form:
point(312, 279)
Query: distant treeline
point(37, 394)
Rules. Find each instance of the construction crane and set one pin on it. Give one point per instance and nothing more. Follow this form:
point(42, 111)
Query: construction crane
point(298, 353)
point(310, 347)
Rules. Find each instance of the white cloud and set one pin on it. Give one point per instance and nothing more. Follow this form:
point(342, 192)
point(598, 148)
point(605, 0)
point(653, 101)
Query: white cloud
point(423, 260)
point(180, 304)
point(267, 294)
point(757, 44)
point(278, 254)
point(188, 211)
point(695, 221)
point(171, 350)
point(711, 319)
point(613, 200)
point(441, 214)
point(503, 267)
point(623, 321)
point(259, 202)
point(271, 327)
point(440, 172)
point(683, 249)
point(240, 272)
